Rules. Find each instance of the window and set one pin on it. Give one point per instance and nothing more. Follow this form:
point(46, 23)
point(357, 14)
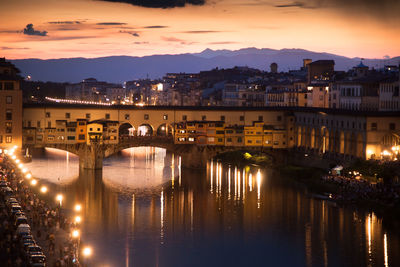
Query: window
point(181, 139)
point(47, 114)
point(127, 117)
point(90, 129)
point(67, 115)
point(29, 124)
point(8, 139)
point(229, 139)
point(8, 127)
point(222, 118)
point(49, 124)
point(146, 116)
point(8, 99)
point(107, 116)
point(165, 117)
point(87, 115)
point(279, 118)
point(191, 139)
point(8, 86)
point(241, 118)
point(392, 126)
point(38, 124)
point(374, 126)
point(8, 114)
point(70, 137)
point(203, 118)
point(220, 140)
point(98, 129)
point(81, 137)
point(260, 118)
point(184, 117)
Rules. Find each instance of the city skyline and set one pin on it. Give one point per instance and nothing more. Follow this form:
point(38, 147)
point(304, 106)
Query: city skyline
point(85, 28)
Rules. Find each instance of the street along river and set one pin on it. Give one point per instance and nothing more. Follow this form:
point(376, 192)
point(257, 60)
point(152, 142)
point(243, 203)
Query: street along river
point(144, 210)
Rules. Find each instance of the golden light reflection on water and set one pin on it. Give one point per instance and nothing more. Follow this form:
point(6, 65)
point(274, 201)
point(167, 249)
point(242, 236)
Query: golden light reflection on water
point(249, 204)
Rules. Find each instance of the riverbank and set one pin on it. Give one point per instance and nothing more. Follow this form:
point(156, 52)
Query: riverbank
point(49, 226)
point(313, 172)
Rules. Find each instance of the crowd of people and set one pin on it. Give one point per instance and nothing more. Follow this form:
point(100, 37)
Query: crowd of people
point(352, 189)
point(49, 225)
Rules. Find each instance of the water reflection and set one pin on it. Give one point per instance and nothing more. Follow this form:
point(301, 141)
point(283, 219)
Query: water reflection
point(144, 210)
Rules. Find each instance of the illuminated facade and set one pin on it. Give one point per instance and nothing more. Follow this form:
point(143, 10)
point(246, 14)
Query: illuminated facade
point(10, 106)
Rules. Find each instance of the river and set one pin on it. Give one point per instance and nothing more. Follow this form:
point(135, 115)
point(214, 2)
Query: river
point(145, 210)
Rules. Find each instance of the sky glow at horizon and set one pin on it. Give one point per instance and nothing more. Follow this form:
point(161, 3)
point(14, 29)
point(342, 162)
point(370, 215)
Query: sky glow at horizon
point(88, 28)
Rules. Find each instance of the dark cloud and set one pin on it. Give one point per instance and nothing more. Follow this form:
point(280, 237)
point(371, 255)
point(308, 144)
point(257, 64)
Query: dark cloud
point(65, 22)
point(160, 3)
point(135, 34)
point(29, 30)
point(155, 27)
point(200, 32)
point(383, 10)
point(111, 23)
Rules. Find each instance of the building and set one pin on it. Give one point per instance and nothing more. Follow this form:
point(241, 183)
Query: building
point(10, 106)
point(389, 98)
point(318, 95)
point(243, 95)
point(320, 70)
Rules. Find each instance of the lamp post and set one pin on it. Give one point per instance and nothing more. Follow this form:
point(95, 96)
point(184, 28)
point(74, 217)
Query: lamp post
point(86, 252)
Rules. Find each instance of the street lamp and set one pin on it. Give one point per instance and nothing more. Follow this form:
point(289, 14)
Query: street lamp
point(59, 198)
point(43, 189)
point(78, 219)
point(28, 176)
point(78, 207)
point(33, 182)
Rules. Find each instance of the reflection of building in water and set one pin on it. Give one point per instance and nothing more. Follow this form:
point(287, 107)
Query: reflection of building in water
point(100, 204)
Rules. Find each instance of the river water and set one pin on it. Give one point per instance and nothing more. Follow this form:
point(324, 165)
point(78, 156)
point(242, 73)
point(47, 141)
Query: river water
point(144, 210)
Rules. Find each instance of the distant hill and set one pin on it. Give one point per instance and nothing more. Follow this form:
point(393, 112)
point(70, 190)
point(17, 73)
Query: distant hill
point(123, 68)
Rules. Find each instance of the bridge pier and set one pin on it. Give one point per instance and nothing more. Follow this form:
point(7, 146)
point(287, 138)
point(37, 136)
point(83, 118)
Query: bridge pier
point(91, 157)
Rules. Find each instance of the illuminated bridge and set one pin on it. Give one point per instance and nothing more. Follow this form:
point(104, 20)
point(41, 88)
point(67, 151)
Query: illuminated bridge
point(342, 135)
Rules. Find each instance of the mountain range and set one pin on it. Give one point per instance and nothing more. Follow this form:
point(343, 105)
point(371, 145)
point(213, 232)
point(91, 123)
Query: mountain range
point(118, 69)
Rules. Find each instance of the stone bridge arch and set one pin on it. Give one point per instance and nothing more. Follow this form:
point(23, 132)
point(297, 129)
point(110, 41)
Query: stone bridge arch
point(165, 129)
point(126, 129)
point(145, 129)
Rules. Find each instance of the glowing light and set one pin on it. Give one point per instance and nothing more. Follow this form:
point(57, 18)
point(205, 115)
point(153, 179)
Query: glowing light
point(16, 161)
point(78, 207)
point(59, 198)
point(24, 170)
point(28, 176)
point(33, 182)
point(75, 233)
point(78, 219)
point(14, 157)
point(385, 249)
point(386, 153)
point(20, 165)
point(87, 251)
point(70, 101)
point(1, 150)
point(250, 182)
point(43, 189)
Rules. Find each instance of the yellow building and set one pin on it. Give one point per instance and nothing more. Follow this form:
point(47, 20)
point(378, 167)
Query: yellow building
point(10, 106)
point(253, 135)
point(81, 130)
point(234, 136)
point(94, 133)
point(181, 133)
point(61, 129)
point(268, 132)
point(71, 132)
point(219, 133)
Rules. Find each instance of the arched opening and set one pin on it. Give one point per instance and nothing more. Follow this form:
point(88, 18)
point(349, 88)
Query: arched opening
point(342, 141)
point(360, 146)
point(126, 129)
point(312, 139)
point(165, 130)
point(145, 130)
point(324, 140)
point(299, 136)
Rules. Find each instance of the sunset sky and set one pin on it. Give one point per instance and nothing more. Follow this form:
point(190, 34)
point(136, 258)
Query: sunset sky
point(95, 28)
